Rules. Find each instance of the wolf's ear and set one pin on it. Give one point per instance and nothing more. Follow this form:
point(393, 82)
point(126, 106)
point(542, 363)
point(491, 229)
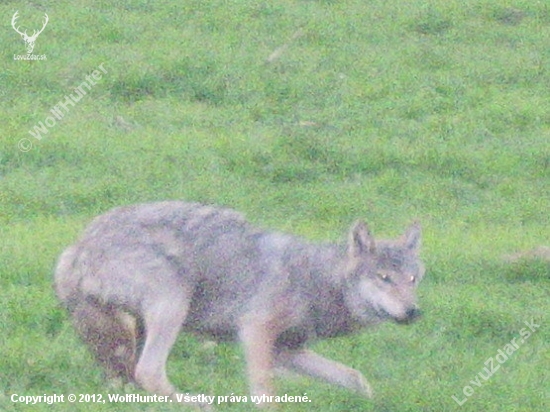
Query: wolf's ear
point(360, 240)
point(412, 237)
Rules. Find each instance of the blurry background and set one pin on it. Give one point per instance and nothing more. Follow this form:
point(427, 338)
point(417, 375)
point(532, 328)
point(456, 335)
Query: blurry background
point(305, 115)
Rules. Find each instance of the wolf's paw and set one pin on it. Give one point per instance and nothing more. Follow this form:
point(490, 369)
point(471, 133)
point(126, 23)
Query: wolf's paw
point(361, 385)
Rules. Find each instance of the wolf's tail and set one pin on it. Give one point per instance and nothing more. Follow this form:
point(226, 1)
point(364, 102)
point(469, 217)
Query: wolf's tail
point(111, 334)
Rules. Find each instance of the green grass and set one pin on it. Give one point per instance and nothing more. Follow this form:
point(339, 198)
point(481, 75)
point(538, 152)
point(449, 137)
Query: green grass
point(385, 110)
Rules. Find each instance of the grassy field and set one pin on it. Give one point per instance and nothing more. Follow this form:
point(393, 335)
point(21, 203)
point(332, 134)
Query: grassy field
point(305, 115)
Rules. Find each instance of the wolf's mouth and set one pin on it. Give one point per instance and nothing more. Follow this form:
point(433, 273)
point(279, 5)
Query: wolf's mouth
point(410, 316)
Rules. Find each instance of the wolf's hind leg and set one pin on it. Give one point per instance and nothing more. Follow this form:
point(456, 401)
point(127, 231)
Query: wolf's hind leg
point(111, 335)
point(162, 322)
point(163, 317)
point(309, 363)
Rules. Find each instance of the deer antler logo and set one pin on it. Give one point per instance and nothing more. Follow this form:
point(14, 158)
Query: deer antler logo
point(30, 40)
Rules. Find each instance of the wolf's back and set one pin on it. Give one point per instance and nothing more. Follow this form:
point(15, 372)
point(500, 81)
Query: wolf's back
point(166, 234)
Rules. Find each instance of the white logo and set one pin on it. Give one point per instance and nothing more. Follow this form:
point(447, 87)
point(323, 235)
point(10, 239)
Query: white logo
point(30, 40)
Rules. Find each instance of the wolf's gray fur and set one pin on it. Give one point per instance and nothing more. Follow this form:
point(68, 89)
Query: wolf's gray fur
point(142, 273)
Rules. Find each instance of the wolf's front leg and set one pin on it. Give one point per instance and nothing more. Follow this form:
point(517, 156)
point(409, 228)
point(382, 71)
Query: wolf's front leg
point(258, 338)
point(309, 363)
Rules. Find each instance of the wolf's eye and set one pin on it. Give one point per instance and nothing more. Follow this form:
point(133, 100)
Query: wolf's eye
point(384, 277)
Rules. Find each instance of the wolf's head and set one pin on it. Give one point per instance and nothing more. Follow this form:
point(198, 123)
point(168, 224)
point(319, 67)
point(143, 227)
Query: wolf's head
point(382, 278)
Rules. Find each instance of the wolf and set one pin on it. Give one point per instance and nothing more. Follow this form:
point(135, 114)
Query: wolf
point(140, 274)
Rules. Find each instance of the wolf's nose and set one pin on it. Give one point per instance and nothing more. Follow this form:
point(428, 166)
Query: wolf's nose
point(413, 313)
